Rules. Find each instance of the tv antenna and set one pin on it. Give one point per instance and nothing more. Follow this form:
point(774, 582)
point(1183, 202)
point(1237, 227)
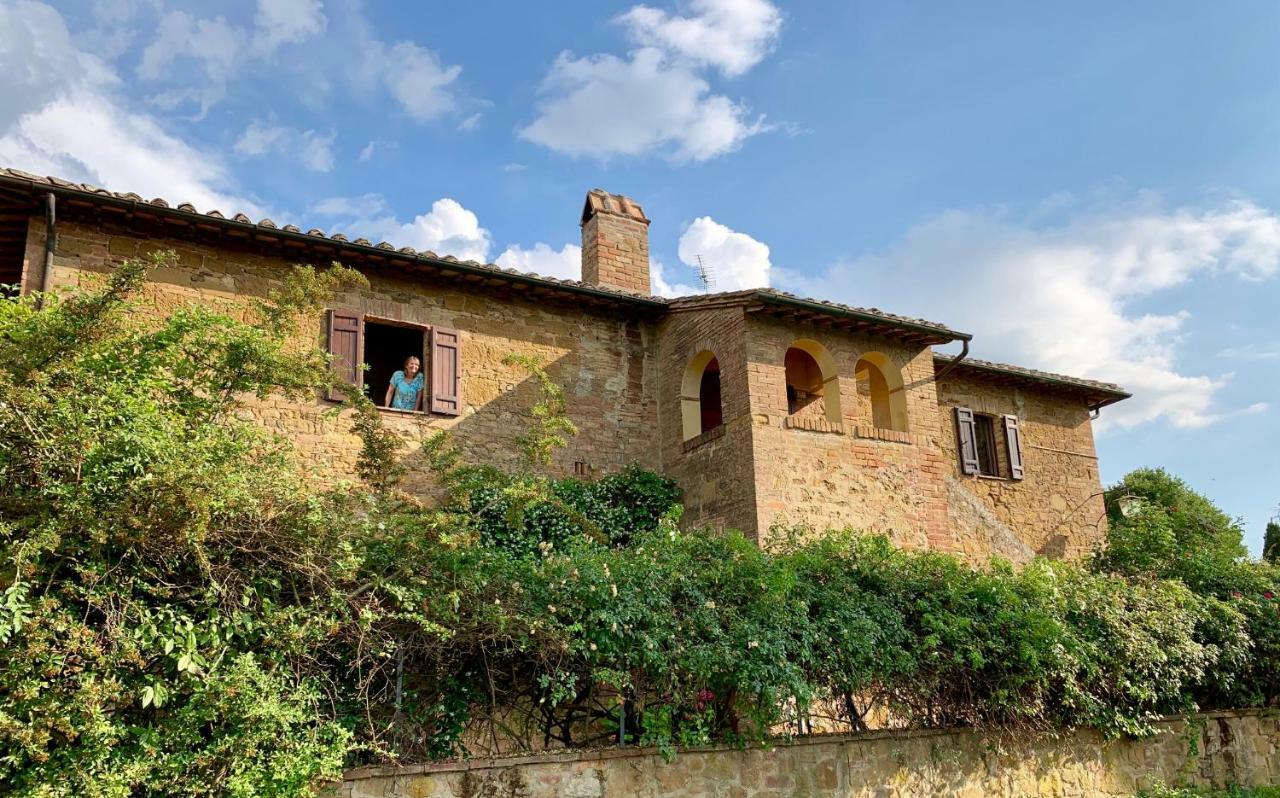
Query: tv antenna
point(705, 274)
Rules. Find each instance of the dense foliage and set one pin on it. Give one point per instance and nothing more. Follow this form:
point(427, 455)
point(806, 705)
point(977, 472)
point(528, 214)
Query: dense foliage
point(183, 613)
point(1271, 541)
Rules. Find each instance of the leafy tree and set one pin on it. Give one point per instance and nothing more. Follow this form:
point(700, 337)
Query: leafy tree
point(165, 575)
point(1159, 526)
point(1271, 541)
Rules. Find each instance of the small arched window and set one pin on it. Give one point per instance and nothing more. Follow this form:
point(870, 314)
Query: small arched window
point(700, 406)
point(882, 400)
point(813, 385)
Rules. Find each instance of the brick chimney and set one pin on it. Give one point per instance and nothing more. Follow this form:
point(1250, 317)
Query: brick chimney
point(615, 242)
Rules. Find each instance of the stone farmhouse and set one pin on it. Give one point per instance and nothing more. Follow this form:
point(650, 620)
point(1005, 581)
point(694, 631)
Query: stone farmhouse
point(765, 407)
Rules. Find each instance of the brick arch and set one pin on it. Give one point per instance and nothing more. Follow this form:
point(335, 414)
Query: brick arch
point(811, 371)
point(880, 379)
point(701, 405)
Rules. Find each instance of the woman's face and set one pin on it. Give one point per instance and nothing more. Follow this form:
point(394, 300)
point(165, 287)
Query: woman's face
point(412, 367)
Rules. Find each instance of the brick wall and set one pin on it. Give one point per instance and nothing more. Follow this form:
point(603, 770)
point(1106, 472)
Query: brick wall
point(1216, 750)
point(715, 469)
point(851, 474)
point(1056, 509)
point(615, 252)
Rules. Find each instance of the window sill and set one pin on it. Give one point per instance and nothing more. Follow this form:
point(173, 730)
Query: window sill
point(813, 425)
point(397, 411)
point(703, 438)
point(992, 478)
point(878, 434)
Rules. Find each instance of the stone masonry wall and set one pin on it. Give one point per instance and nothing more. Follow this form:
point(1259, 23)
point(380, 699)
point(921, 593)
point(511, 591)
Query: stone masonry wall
point(623, 380)
point(603, 363)
point(1241, 748)
point(1056, 510)
point(850, 475)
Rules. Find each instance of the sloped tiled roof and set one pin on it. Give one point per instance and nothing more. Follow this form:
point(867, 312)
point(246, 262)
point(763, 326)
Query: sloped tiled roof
point(773, 298)
point(268, 227)
point(16, 181)
point(1105, 392)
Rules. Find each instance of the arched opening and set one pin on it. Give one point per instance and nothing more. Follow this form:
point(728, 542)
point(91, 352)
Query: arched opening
point(813, 385)
point(882, 399)
point(700, 406)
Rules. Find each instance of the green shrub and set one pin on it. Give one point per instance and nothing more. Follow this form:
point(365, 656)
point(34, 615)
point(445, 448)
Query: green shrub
point(182, 613)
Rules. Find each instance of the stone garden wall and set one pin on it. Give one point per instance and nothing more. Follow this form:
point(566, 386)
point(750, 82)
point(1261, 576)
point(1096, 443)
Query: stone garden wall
point(1217, 749)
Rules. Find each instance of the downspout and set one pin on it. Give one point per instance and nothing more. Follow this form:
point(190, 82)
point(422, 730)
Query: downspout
point(964, 352)
point(50, 242)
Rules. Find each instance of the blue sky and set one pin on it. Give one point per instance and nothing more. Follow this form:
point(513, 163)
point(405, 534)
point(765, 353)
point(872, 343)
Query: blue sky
point(1091, 188)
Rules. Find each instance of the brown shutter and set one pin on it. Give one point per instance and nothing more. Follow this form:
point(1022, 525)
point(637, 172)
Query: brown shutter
point(446, 371)
point(1013, 437)
point(966, 441)
point(345, 345)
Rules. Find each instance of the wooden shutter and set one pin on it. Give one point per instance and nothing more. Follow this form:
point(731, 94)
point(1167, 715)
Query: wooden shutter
point(1013, 437)
point(966, 440)
point(446, 371)
point(345, 345)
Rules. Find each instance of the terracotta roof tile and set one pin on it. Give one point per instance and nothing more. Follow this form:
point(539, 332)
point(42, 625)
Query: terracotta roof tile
point(819, 305)
point(601, 201)
point(1035, 375)
point(615, 205)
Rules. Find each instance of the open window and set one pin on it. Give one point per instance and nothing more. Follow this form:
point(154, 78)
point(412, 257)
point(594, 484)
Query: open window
point(701, 408)
point(983, 450)
point(366, 352)
point(387, 347)
point(813, 385)
point(882, 398)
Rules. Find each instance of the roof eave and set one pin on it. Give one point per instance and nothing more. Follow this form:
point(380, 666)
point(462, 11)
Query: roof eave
point(1095, 396)
point(941, 335)
point(251, 228)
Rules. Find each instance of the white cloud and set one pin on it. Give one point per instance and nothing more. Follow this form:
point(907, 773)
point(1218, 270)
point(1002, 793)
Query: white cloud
point(417, 80)
point(730, 35)
point(287, 22)
point(565, 263)
point(1252, 351)
point(662, 286)
point(734, 260)
point(1070, 294)
point(69, 121)
point(447, 229)
point(39, 61)
point(602, 106)
point(221, 50)
point(363, 206)
point(85, 136)
point(214, 44)
point(313, 150)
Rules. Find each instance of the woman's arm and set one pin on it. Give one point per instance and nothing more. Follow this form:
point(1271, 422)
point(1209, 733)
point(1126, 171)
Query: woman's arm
point(390, 390)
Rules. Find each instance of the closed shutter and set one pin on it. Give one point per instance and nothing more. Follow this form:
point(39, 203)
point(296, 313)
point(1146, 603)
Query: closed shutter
point(345, 349)
point(1013, 437)
point(446, 371)
point(966, 441)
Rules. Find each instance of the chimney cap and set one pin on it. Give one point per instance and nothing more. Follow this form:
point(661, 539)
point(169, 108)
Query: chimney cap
point(601, 201)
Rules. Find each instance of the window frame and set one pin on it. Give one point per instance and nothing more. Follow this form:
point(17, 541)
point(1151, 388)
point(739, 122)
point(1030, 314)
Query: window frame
point(424, 398)
point(984, 425)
